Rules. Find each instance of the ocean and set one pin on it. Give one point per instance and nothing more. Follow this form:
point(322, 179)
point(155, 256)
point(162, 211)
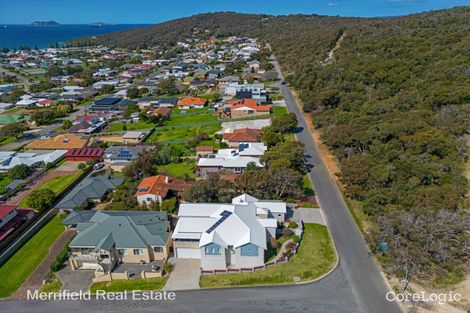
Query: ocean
point(14, 36)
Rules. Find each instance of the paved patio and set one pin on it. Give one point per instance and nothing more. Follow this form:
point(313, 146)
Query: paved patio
point(75, 280)
point(185, 275)
point(134, 270)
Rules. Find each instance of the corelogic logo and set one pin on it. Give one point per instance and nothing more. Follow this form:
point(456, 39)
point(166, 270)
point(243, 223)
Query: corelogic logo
point(440, 298)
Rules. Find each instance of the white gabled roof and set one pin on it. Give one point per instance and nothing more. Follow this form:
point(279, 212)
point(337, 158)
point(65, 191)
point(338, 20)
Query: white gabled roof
point(234, 224)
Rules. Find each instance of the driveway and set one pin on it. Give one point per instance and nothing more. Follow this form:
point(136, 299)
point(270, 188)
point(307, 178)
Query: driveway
point(74, 281)
point(185, 275)
point(309, 215)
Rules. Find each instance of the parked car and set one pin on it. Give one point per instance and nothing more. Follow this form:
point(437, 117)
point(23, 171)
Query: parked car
point(98, 166)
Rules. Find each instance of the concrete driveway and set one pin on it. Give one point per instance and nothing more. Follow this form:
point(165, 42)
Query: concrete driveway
point(75, 281)
point(309, 215)
point(185, 275)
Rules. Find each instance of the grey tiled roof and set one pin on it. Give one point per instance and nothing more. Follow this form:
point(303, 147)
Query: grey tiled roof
point(122, 229)
point(92, 187)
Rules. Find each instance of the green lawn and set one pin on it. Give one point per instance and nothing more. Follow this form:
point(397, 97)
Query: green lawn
point(165, 134)
point(7, 140)
point(18, 268)
point(116, 127)
point(182, 119)
point(56, 184)
point(316, 257)
point(4, 181)
point(129, 285)
point(279, 111)
point(307, 186)
point(178, 170)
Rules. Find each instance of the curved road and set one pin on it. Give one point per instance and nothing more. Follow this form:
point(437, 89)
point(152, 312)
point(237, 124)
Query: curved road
point(356, 285)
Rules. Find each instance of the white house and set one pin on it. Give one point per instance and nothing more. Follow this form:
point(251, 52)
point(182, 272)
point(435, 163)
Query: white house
point(235, 160)
point(9, 159)
point(231, 235)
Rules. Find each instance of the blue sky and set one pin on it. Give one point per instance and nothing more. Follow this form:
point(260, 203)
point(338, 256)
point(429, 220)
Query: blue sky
point(154, 11)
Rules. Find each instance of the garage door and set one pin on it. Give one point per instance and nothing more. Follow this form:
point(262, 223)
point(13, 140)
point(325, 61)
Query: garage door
point(187, 253)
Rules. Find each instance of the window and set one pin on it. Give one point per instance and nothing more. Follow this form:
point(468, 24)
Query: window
point(158, 249)
point(138, 251)
point(122, 251)
point(85, 251)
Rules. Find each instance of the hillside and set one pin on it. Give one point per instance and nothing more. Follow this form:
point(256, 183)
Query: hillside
point(393, 105)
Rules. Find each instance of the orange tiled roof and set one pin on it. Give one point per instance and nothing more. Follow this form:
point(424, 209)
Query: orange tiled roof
point(250, 103)
point(160, 185)
point(59, 142)
point(244, 135)
point(205, 148)
point(192, 101)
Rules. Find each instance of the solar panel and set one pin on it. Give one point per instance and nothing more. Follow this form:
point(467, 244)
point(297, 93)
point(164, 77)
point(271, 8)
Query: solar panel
point(224, 215)
point(143, 189)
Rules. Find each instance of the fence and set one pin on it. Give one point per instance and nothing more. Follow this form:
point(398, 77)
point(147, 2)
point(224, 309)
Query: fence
point(22, 234)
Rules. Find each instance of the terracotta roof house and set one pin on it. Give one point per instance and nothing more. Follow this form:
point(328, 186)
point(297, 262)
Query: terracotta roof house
point(161, 111)
point(157, 188)
point(247, 107)
point(204, 150)
point(59, 142)
point(85, 154)
point(192, 102)
point(238, 136)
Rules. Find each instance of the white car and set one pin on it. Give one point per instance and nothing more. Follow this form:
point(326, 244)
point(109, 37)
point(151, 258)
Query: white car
point(98, 166)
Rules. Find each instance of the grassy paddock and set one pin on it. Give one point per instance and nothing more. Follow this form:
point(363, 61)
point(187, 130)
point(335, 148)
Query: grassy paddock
point(178, 170)
point(129, 285)
point(22, 264)
point(316, 257)
point(56, 184)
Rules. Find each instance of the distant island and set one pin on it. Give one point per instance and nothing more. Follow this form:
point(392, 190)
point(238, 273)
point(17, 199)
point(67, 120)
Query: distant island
point(99, 24)
point(45, 23)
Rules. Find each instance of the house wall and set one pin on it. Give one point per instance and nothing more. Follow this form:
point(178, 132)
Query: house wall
point(248, 261)
point(241, 113)
point(164, 254)
point(212, 261)
point(153, 198)
point(131, 258)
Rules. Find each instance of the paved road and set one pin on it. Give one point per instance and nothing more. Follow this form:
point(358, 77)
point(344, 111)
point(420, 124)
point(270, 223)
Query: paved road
point(362, 274)
point(355, 286)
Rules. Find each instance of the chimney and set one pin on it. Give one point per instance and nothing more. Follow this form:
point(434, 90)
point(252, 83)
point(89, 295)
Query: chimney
point(167, 179)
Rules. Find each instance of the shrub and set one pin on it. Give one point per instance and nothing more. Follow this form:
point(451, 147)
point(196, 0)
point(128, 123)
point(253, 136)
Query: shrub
point(169, 205)
point(167, 268)
point(81, 166)
point(89, 162)
point(287, 232)
point(293, 224)
point(20, 171)
point(41, 199)
point(60, 259)
point(296, 238)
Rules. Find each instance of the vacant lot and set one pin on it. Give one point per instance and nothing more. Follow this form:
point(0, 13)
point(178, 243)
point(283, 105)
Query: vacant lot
point(316, 257)
point(178, 170)
point(116, 127)
point(169, 134)
point(56, 184)
point(17, 269)
point(189, 118)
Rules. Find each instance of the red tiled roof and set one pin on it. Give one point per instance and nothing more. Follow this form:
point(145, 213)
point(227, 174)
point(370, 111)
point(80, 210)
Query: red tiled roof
point(250, 103)
point(85, 152)
point(160, 185)
point(205, 148)
point(244, 135)
point(192, 101)
point(6, 209)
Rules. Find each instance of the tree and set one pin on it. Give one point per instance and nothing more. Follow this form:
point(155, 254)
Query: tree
point(132, 93)
point(143, 166)
point(54, 70)
point(41, 199)
point(169, 205)
point(106, 89)
point(211, 190)
point(284, 123)
point(67, 124)
point(168, 87)
point(20, 171)
point(15, 129)
point(271, 138)
point(291, 154)
point(44, 117)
